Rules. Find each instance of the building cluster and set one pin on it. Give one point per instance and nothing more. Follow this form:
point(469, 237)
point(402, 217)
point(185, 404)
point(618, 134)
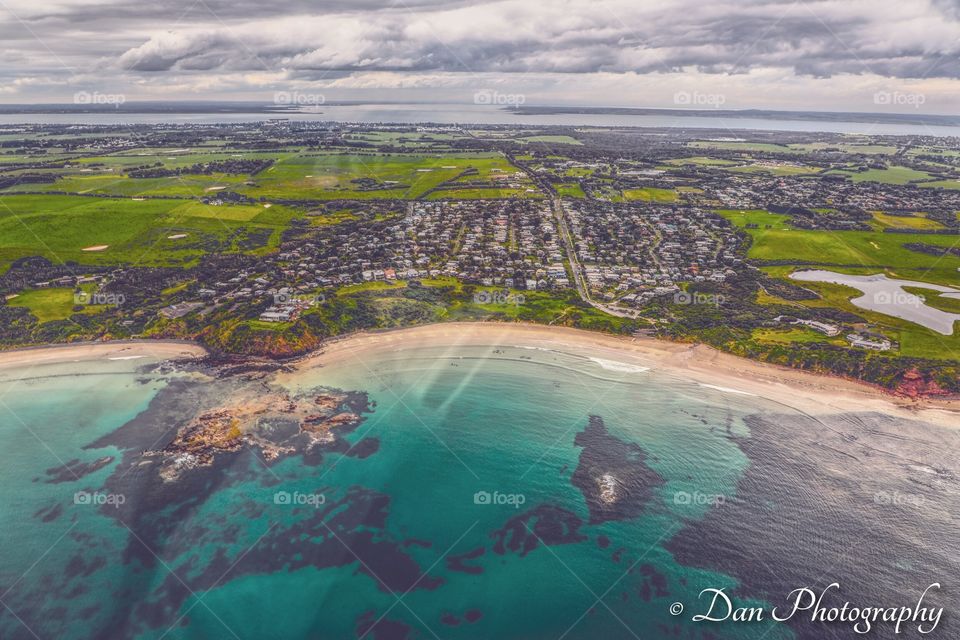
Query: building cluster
point(757, 192)
point(509, 243)
point(512, 243)
point(631, 253)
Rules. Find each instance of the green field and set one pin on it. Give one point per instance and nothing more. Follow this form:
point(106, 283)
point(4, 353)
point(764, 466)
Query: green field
point(914, 340)
point(890, 175)
point(742, 218)
point(862, 252)
point(548, 140)
point(295, 175)
point(741, 146)
point(918, 221)
point(703, 161)
point(50, 304)
point(847, 251)
point(942, 184)
point(570, 191)
point(865, 149)
point(651, 194)
point(328, 176)
point(793, 335)
point(135, 232)
point(782, 169)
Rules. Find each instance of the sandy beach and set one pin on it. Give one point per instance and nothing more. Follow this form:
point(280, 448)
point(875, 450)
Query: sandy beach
point(807, 392)
point(126, 350)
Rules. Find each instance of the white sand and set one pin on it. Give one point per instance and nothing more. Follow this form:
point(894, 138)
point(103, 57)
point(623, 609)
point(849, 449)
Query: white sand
point(100, 351)
point(807, 392)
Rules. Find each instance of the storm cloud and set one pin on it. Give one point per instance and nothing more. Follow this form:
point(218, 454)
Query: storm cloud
point(240, 45)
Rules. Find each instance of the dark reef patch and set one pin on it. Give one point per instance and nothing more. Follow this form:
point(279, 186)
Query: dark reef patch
point(449, 619)
point(75, 469)
point(547, 524)
point(364, 448)
point(612, 474)
point(369, 626)
point(49, 514)
point(459, 562)
point(349, 528)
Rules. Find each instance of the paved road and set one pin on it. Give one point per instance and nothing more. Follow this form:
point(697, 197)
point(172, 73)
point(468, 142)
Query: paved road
point(579, 279)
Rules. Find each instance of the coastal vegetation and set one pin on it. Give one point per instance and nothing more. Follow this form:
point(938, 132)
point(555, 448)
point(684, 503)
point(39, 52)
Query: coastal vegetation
point(203, 233)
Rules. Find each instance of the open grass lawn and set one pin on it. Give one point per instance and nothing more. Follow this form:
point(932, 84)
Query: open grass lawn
point(577, 172)
point(491, 193)
point(862, 252)
point(915, 340)
point(890, 175)
point(793, 335)
point(412, 139)
point(327, 176)
point(847, 248)
point(172, 159)
point(917, 221)
point(651, 194)
point(942, 184)
point(743, 217)
point(118, 184)
point(777, 169)
point(50, 304)
point(548, 140)
point(702, 161)
point(741, 146)
point(571, 190)
point(866, 149)
point(107, 174)
point(936, 299)
point(853, 249)
point(135, 232)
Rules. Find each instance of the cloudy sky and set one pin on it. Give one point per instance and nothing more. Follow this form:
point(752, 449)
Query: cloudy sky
point(861, 55)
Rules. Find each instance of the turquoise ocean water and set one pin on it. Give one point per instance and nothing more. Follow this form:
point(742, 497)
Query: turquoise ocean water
point(490, 492)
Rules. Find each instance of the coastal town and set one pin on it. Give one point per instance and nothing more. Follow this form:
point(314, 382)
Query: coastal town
point(675, 235)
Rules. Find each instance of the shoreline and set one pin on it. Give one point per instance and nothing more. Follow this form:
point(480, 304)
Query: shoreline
point(812, 393)
point(805, 391)
point(119, 350)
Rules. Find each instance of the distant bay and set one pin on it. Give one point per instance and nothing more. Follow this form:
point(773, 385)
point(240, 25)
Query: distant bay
point(456, 114)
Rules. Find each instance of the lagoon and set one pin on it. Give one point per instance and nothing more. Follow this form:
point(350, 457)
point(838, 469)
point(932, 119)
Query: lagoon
point(888, 296)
